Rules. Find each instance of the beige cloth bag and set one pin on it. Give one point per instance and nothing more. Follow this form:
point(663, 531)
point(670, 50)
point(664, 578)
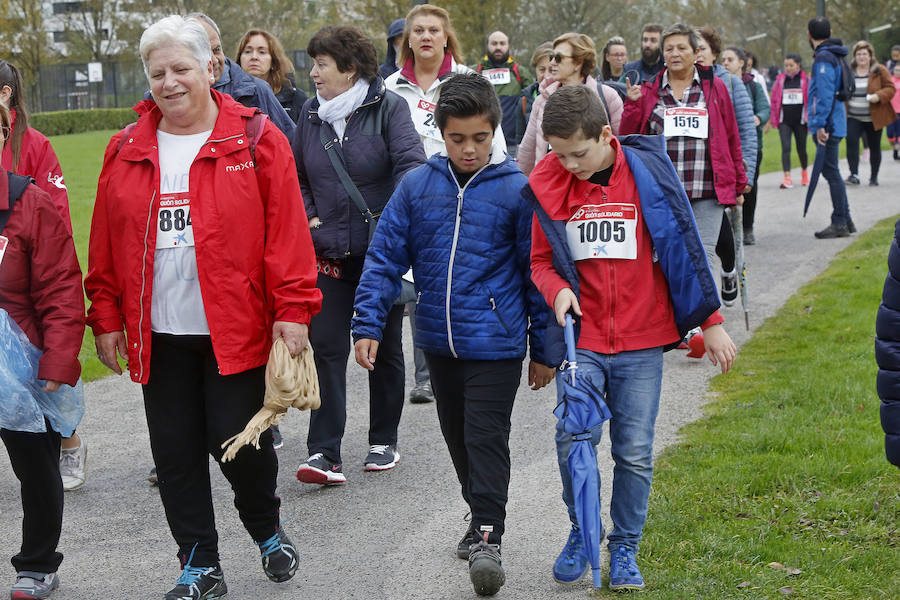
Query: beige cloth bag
point(290, 381)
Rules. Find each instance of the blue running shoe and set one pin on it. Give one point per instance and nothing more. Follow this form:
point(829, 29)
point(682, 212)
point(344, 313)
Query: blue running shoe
point(572, 563)
point(198, 583)
point(279, 557)
point(623, 570)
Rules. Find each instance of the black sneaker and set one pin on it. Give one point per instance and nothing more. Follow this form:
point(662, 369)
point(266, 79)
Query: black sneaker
point(381, 457)
point(198, 583)
point(851, 226)
point(277, 440)
point(729, 287)
point(749, 238)
point(486, 568)
point(873, 181)
point(853, 179)
point(279, 557)
point(421, 393)
point(318, 469)
point(471, 537)
point(833, 231)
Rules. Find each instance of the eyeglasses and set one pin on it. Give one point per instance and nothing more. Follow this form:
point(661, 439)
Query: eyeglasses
point(558, 58)
point(616, 55)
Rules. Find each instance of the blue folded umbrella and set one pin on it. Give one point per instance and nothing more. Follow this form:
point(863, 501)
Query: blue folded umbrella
point(581, 409)
point(818, 165)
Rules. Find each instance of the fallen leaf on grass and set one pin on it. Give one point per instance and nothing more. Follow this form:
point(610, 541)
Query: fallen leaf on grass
point(742, 516)
point(749, 372)
point(792, 570)
point(776, 565)
point(786, 590)
point(743, 584)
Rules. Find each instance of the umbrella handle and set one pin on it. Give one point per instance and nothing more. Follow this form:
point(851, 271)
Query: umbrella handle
point(570, 342)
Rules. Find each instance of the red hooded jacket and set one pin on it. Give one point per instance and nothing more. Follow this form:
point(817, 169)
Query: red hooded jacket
point(255, 258)
point(40, 282)
point(38, 160)
point(724, 140)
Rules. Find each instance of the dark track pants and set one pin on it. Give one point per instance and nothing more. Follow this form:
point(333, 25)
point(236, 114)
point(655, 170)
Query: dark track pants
point(191, 409)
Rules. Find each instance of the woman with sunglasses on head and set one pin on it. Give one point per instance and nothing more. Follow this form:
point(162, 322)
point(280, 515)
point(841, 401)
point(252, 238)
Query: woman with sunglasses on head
point(260, 54)
point(572, 61)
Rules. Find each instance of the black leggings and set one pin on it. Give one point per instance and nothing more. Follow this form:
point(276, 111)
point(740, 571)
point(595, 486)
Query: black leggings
point(866, 131)
point(725, 245)
point(799, 132)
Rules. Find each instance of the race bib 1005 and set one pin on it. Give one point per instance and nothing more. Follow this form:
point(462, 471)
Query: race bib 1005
point(603, 231)
point(497, 76)
point(423, 118)
point(173, 223)
point(684, 121)
point(3, 243)
point(794, 96)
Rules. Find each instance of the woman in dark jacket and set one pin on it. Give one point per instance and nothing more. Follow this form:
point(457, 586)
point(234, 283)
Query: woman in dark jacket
point(40, 289)
point(887, 353)
point(260, 54)
point(352, 146)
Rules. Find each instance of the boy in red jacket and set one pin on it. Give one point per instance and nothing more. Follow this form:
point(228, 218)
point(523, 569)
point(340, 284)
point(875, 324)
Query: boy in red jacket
point(614, 242)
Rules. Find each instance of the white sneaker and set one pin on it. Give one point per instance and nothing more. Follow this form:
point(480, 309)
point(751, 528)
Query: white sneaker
point(71, 466)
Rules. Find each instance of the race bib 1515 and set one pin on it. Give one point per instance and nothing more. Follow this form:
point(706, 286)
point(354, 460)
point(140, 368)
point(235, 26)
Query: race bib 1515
point(685, 121)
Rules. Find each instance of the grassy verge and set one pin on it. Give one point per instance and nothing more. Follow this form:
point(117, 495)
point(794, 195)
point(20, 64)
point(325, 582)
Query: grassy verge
point(771, 161)
point(783, 490)
point(81, 157)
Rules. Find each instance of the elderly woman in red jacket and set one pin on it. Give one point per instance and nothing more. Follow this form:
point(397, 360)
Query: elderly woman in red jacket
point(200, 251)
point(691, 107)
point(40, 289)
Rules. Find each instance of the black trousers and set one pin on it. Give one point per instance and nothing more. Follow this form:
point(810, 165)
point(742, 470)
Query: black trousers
point(799, 131)
point(329, 332)
point(474, 401)
point(749, 209)
point(191, 409)
point(866, 130)
point(35, 461)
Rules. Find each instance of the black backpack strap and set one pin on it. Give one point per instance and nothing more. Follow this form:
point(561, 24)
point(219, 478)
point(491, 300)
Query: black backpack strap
point(17, 186)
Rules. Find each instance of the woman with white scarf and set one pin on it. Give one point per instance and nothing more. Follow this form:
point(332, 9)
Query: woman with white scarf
point(354, 142)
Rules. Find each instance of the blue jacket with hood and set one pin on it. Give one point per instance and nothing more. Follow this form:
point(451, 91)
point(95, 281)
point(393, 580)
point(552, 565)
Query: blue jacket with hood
point(470, 250)
point(823, 108)
point(251, 91)
point(670, 221)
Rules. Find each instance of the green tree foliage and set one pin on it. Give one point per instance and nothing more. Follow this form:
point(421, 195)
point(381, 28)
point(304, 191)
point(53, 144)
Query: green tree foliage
point(24, 40)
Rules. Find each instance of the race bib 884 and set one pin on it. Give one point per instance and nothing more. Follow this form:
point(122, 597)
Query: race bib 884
point(173, 223)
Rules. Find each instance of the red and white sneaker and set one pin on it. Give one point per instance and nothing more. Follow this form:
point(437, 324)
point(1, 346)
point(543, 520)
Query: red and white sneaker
point(787, 183)
point(320, 470)
point(804, 178)
point(696, 346)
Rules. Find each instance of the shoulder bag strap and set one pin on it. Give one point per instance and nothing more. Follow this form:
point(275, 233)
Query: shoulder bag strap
point(17, 185)
point(337, 163)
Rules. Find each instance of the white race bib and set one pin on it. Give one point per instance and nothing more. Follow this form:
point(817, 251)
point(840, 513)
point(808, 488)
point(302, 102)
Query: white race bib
point(423, 118)
point(793, 96)
point(685, 121)
point(603, 231)
point(173, 223)
point(3, 243)
point(497, 76)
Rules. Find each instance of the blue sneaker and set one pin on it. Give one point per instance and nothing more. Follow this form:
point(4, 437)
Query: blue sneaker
point(623, 570)
point(279, 557)
point(572, 563)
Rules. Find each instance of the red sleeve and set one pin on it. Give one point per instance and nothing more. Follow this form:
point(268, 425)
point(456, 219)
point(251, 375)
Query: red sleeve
point(632, 118)
point(56, 293)
point(100, 285)
point(43, 165)
point(714, 319)
point(545, 278)
point(733, 135)
point(289, 258)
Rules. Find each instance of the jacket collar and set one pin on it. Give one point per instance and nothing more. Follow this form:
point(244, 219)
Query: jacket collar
point(229, 125)
point(376, 92)
point(408, 72)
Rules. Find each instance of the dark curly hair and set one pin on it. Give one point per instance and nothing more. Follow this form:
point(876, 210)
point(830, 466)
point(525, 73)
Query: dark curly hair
point(349, 48)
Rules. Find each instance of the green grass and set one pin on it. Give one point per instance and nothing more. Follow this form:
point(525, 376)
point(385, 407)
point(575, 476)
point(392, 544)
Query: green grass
point(771, 160)
point(788, 464)
point(81, 157)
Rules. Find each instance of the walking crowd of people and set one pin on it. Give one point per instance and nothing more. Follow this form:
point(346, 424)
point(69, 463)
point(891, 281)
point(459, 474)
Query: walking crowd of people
point(489, 203)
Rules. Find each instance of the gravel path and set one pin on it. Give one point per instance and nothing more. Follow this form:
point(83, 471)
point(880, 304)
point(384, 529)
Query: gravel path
point(393, 535)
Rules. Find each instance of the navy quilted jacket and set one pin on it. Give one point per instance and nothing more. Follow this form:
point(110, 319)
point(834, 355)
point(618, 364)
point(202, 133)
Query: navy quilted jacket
point(470, 253)
point(887, 353)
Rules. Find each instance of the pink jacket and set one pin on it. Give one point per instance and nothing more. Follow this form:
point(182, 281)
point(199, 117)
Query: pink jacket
point(895, 101)
point(533, 146)
point(778, 89)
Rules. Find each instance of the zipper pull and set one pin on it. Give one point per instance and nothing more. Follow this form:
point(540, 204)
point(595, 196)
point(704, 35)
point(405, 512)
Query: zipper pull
point(493, 304)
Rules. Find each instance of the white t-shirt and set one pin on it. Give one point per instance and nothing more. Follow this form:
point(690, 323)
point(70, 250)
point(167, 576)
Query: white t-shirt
point(176, 305)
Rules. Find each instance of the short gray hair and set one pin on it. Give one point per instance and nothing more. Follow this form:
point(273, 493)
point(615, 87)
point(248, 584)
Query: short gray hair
point(176, 30)
point(199, 16)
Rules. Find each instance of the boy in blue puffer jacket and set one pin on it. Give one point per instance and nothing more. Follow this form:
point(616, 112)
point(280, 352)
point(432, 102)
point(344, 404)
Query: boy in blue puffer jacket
point(461, 223)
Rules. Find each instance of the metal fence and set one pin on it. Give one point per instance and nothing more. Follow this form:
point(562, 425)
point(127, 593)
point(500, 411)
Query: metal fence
point(68, 86)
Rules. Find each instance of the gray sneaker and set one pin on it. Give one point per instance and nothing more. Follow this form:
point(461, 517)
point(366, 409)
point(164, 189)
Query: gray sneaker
point(71, 466)
point(421, 393)
point(30, 584)
point(486, 568)
point(381, 457)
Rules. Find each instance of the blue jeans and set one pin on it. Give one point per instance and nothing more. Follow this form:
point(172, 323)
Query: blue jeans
point(840, 213)
point(631, 383)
